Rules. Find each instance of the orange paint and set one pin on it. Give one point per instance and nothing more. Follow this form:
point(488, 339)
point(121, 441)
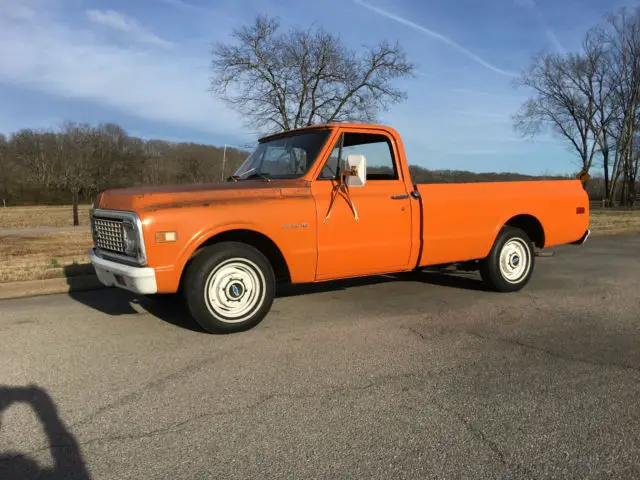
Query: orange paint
point(397, 230)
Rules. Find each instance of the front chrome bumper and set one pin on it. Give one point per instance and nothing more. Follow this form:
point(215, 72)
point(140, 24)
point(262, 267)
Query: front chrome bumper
point(140, 280)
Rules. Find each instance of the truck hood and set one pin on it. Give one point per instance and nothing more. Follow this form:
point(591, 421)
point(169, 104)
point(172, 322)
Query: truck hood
point(150, 198)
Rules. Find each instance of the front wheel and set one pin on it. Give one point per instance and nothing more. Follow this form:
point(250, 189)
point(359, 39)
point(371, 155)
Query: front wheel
point(509, 265)
point(229, 287)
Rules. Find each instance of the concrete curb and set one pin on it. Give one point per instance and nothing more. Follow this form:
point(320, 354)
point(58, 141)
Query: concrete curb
point(32, 288)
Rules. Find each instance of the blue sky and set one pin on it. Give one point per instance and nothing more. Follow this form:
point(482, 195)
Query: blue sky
point(145, 66)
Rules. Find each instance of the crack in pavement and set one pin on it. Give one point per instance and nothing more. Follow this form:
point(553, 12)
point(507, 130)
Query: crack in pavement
point(418, 333)
point(132, 397)
point(153, 385)
point(184, 423)
point(475, 431)
point(518, 343)
point(112, 438)
point(551, 353)
point(420, 379)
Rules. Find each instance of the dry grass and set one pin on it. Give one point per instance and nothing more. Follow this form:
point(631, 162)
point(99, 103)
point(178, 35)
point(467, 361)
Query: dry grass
point(41, 216)
point(39, 257)
point(615, 222)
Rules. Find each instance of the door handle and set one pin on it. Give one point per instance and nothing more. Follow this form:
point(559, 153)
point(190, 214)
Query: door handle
point(399, 197)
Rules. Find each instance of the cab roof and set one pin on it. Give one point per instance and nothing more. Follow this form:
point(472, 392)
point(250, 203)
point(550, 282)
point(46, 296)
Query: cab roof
point(324, 126)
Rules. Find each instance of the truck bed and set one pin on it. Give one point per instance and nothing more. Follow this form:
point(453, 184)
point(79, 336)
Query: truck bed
point(460, 221)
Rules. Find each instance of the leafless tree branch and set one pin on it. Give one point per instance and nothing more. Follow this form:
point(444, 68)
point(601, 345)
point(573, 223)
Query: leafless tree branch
point(282, 80)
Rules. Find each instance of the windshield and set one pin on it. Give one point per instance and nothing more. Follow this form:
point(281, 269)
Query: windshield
point(285, 157)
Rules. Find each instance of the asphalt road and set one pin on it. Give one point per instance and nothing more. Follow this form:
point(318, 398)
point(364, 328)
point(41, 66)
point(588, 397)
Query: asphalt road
point(406, 378)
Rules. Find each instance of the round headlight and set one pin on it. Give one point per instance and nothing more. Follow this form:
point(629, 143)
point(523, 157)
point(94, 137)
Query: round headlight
point(129, 234)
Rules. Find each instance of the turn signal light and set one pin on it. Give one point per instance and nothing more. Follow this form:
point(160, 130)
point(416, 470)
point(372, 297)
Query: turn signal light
point(166, 237)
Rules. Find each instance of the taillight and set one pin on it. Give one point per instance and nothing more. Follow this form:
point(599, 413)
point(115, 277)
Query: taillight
point(580, 210)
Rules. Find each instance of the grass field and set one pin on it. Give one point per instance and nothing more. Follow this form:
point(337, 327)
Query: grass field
point(38, 257)
point(14, 218)
point(615, 222)
point(65, 254)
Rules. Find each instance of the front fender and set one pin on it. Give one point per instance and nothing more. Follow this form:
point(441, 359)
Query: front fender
point(204, 235)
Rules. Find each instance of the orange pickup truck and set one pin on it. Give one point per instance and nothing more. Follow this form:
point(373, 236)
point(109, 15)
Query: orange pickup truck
point(322, 203)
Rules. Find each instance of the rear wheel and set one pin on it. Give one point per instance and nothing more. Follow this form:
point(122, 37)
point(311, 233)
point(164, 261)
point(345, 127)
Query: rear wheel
point(509, 265)
point(229, 287)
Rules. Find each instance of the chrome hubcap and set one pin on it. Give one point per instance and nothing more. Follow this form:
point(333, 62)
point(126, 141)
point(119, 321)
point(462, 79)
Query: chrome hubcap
point(234, 290)
point(514, 260)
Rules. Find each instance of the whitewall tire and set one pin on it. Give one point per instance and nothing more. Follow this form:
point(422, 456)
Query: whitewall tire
point(510, 263)
point(229, 287)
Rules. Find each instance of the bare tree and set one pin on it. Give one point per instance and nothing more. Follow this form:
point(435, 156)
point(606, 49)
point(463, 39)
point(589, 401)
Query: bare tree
point(76, 149)
point(620, 36)
point(602, 90)
point(153, 168)
point(284, 80)
point(563, 101)
point(591, 98)
point(6, 170)
point(107, 162)
point(31, 151)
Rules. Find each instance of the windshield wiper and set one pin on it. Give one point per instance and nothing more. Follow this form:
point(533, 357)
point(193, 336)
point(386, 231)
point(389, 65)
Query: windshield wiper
point(264, 176)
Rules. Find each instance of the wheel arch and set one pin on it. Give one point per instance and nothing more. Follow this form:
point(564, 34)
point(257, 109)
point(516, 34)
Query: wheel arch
point(258, 240)
point(530, 225)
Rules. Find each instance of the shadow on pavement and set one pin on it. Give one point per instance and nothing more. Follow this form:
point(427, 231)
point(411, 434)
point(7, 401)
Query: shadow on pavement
point(67, 459)
point(431, 277)
point(115, 302)
point(86, 289)
point(171, 308)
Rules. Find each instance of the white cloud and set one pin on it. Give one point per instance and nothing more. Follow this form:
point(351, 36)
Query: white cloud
point(42, 53)
point(124, 24)
point(524, 3)
point(16, 12)
point(217, 13)
point(436, 35)
point(185, 5)
point(533, 7)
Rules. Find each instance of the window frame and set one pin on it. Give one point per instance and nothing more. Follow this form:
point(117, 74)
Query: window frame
point(285, 136)
point(383, 138)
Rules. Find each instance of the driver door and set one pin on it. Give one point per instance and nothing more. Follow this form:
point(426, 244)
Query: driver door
point(380, 241)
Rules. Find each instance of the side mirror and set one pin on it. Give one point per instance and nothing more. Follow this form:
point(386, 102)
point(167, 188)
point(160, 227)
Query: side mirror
point(354, 168)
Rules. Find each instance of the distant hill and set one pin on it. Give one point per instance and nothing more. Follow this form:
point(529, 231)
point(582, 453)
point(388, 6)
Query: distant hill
point(423, 175)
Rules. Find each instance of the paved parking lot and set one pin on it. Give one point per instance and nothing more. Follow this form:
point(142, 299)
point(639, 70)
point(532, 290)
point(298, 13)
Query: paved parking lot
point(387, 378)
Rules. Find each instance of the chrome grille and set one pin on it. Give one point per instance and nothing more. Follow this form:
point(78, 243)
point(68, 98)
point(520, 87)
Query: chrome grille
point(108, 234)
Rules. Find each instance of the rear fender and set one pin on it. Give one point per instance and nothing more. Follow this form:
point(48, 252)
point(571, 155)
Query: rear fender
point(539, 242)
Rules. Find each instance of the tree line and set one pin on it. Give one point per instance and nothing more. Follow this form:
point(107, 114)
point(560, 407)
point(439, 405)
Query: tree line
point(590, 98)
point(74, 163)
point(77, 161)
